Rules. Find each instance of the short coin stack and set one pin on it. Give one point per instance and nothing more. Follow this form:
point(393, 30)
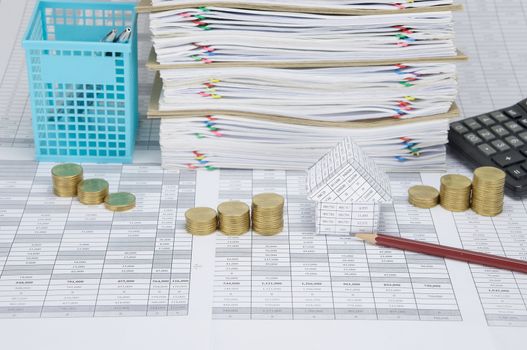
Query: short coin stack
point(92, 191)
point(234, 218)
point(268, 213)
point(455, 192)
point(424, 197)
point(68, 182)
point(201, 221)
point(120, 201)
point(66, 178)
point(488, 191)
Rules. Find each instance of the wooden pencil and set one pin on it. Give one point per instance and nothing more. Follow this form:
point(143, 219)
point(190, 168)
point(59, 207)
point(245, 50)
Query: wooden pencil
point(442, 251)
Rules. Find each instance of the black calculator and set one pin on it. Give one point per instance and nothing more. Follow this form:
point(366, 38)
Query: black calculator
point(496, 139)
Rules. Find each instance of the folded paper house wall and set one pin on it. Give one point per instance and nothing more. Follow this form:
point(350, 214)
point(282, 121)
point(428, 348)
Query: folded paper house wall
point(349, 189)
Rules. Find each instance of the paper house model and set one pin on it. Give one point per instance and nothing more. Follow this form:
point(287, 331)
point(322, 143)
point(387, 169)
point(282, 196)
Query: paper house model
point(349, 189)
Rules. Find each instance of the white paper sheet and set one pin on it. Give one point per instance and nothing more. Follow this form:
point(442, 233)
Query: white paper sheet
point(205, 35)
point(293, 277)
point(365, 290)
point(327, 94)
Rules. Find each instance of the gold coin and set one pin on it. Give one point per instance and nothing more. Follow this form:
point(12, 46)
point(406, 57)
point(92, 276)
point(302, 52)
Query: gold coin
point(119, 201)
point(65, 178)
point(93, 186)
point(205, 231)
point(233, 208)
point(454, 194)
point(268, 200)
point(268, 213)
point(234, 218)
point(423, 196)
point(490, 174)
point(66, 170)
point(92, 191)
point(201, 221)
point(200, 215)
point(456, 182)
point(488, 191)
point(234, 233)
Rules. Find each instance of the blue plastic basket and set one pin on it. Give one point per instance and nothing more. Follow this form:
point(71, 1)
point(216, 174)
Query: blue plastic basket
point(83, 91)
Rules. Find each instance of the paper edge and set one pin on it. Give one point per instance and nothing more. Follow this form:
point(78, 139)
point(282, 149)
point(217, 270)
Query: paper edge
point(154, 113)
point(145, 6)
point(152, 63)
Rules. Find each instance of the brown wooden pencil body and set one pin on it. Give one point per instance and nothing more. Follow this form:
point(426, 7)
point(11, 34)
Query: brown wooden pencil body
point(446, 252)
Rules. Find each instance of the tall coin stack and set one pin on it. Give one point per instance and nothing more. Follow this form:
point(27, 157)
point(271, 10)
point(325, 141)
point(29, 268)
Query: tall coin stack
point(268, 214)
point(66, 178)
point(455, 192)
point(234, 218)
point(201, 221)
point(92, 191)
point(488, 191)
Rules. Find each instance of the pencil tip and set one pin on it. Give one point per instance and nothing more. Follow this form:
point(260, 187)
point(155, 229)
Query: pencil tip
point(368, 237)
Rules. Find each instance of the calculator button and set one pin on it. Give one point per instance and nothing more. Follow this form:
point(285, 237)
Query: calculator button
point(486, 135)
point(486, 120)
point(514, 141)
point(523, 151)
point(472, 124)
point(523, 136)
point(487, 150)
point(514, 127)
point(524, 166)
point(514, 112)
point(523, 104)
point(523, 122)
point(459, 128)
point(473, 139)
point(517, 172)
point(500, 117)
point(500, 130)
point(500, 145)
point(508, 159)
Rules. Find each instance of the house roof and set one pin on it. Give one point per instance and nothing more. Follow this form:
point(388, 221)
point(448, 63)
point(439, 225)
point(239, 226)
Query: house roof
point(347, 175)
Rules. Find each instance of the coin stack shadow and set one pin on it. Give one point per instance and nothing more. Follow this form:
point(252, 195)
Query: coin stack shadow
point(488, 191)
point(66, 178)
point(455, 192)
point(92, 191)
point(234, 218)
point(201, 221)
point(268, 214)
point(424, 197)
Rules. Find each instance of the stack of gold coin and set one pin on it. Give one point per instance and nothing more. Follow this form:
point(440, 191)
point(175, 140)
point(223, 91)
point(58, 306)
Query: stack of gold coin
point(268, 214)
point(234, 218)
point(424, 197)
point(120, 201)
point(92, 191)
point(201, 221)
point(488, 191)
point(455, 192)
point(66, 178)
